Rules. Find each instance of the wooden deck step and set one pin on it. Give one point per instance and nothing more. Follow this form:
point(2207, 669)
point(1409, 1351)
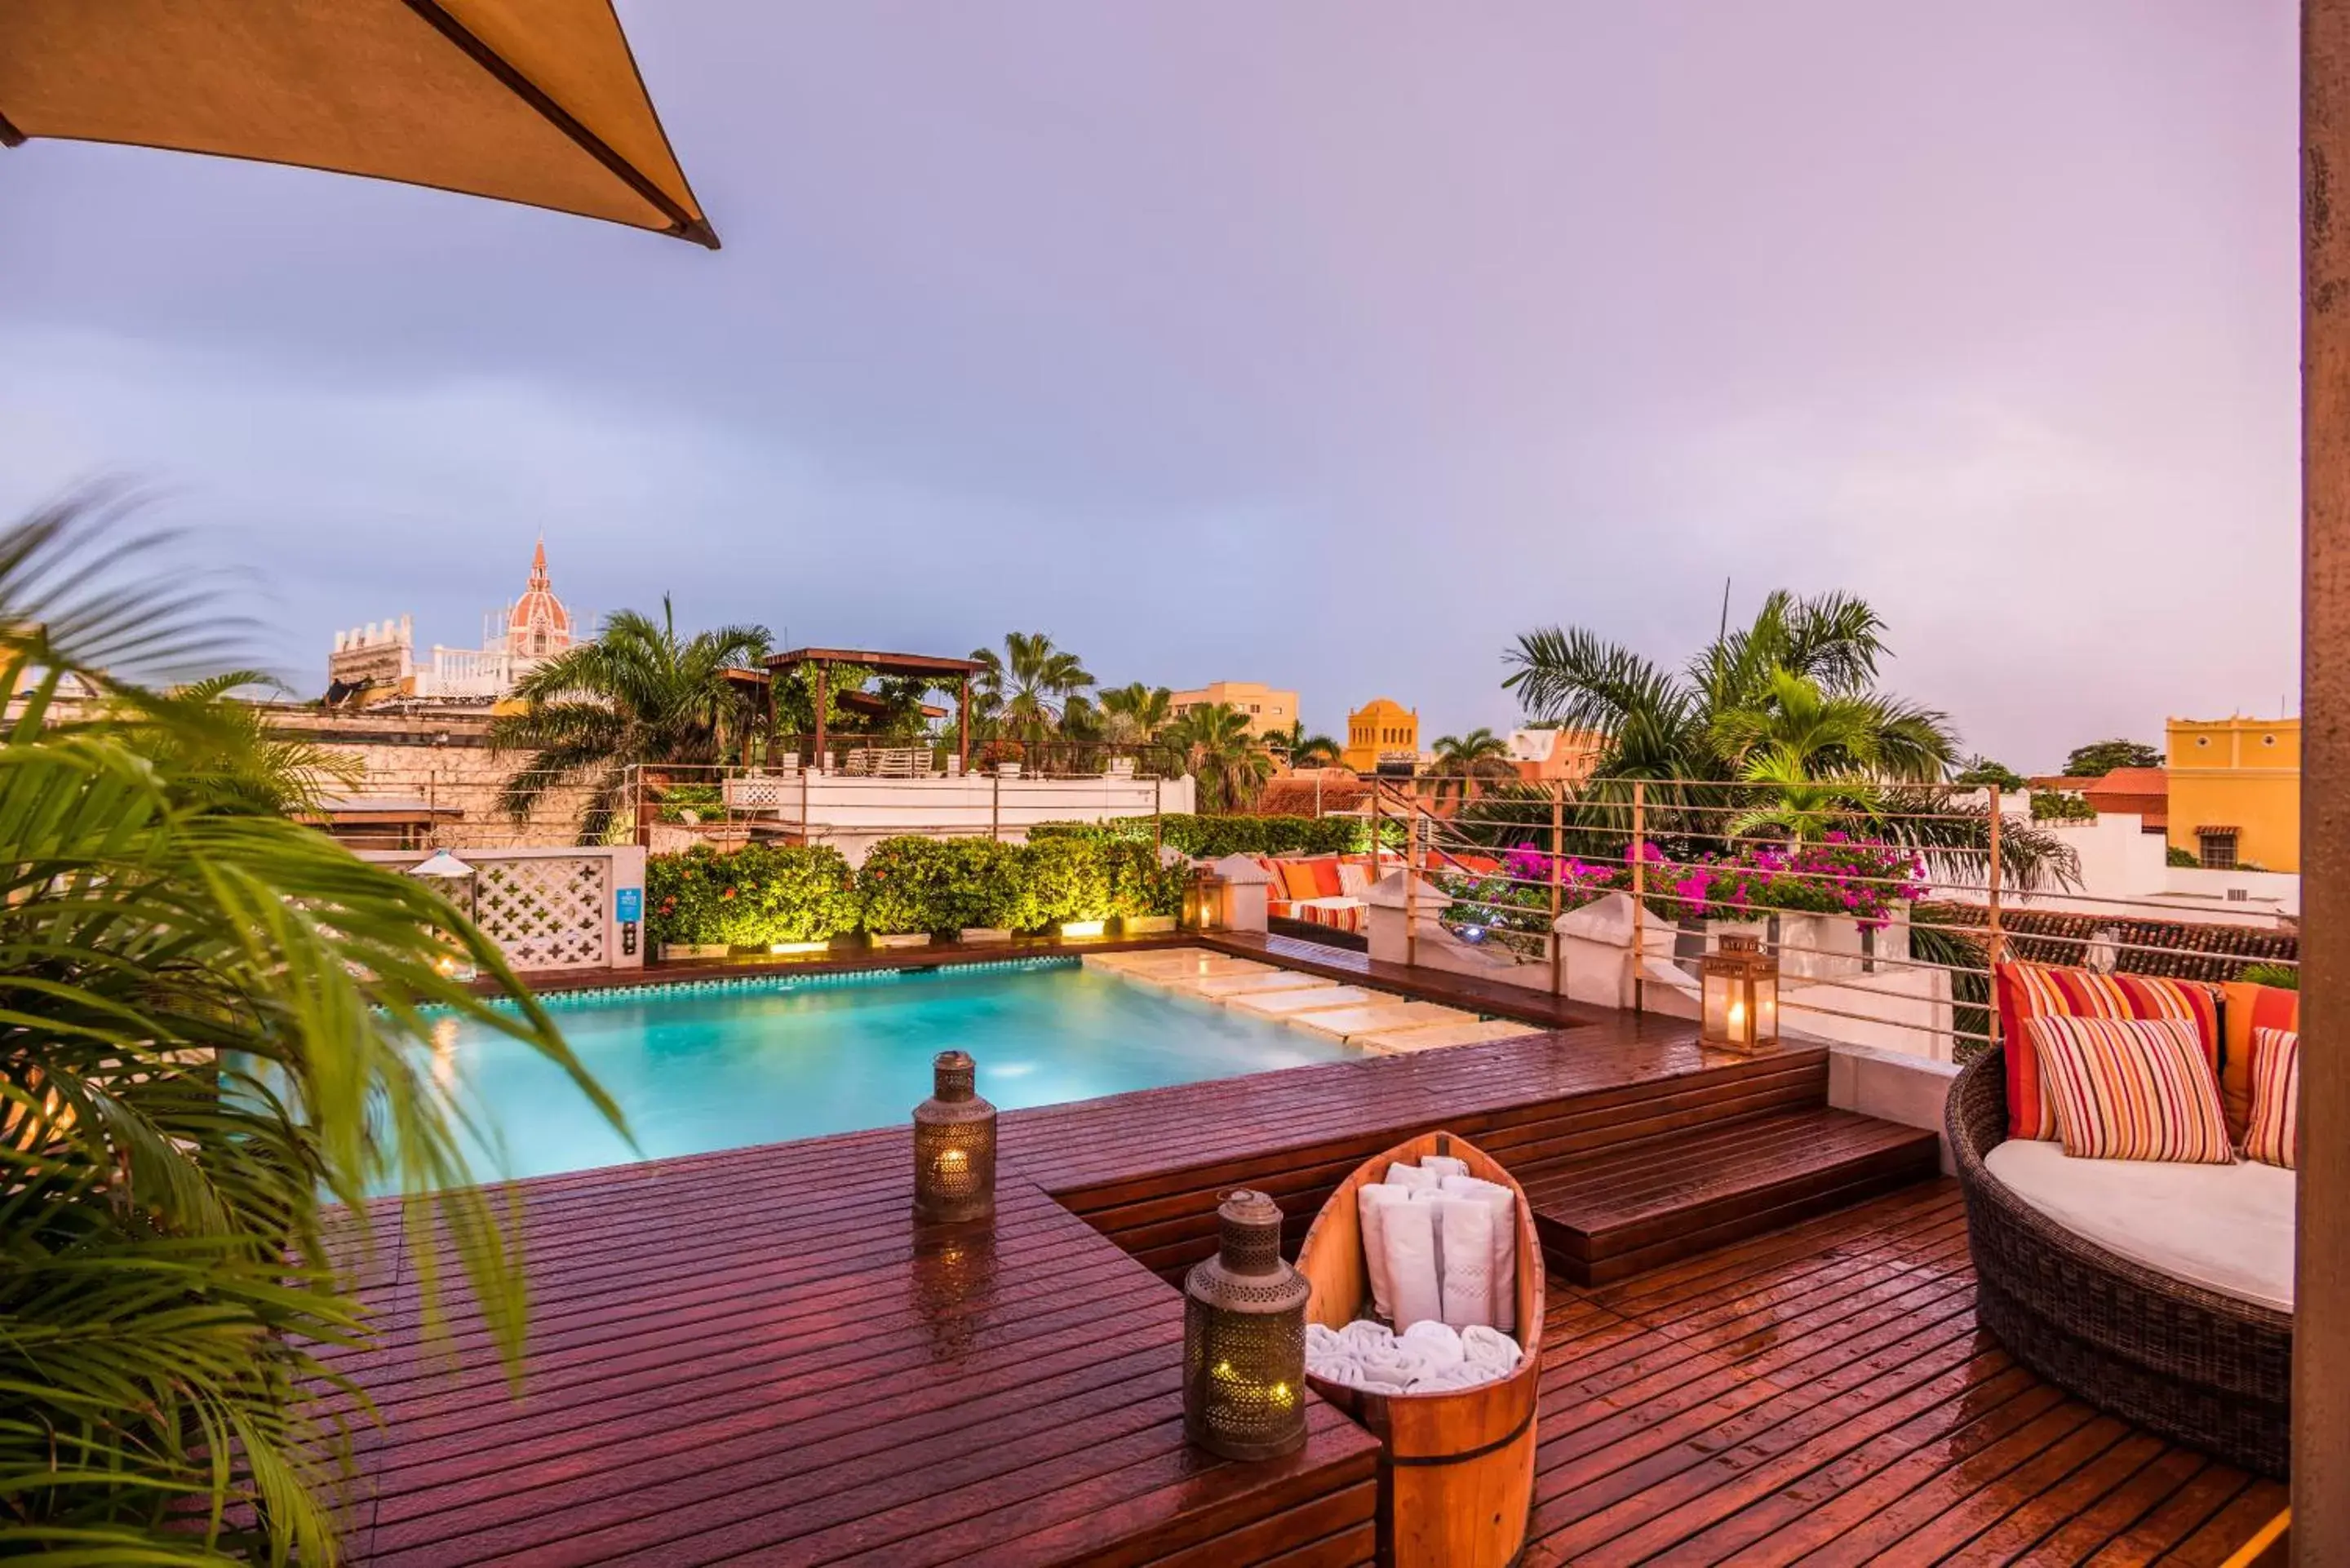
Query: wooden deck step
point(1619, 1210)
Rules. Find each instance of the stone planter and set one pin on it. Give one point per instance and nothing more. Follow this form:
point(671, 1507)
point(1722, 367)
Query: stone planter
point(975, 935)
point(901, 939)
point(1145, 925)
point(1832, 947)
point(669, 950)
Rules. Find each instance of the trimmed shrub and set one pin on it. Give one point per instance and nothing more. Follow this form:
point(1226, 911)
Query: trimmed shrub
point(757, 895)
point(941, 886)
point(1212, 837)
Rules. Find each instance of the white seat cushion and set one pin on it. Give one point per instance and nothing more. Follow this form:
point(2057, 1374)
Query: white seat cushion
point(2226, 1228)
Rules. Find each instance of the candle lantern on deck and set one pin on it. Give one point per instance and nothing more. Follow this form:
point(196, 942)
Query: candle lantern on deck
point(1740, 985)
point(954, 1144)
point(1244, 1338)
point(1204, 906)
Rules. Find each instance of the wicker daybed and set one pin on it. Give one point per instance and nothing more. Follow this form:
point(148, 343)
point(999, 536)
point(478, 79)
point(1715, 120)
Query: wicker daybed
point(2203, 1369)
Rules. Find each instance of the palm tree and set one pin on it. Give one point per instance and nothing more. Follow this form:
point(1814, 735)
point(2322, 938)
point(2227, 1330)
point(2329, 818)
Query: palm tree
point(1464, 761)
point(1026, 687)
point(216, 1027)
point(1787, 702)
point(1305, 750)
point(1134, 713)
point(639, 694)
point(220, 752)
point(1222, 753)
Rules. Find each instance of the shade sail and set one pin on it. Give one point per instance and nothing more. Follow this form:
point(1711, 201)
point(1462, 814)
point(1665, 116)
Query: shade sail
point(535, 101)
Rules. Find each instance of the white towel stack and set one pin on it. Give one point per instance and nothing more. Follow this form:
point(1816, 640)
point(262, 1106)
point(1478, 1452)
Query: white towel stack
point(1440, 1245)
point(1427, 1358)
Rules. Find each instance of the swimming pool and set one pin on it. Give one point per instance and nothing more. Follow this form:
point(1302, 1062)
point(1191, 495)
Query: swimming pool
point(728, 1064)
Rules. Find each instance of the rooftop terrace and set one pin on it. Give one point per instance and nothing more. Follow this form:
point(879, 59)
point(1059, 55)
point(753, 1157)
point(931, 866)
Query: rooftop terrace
point(757, 1353)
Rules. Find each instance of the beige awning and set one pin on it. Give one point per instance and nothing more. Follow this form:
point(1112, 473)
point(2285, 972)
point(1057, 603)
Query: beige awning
point(535, 101)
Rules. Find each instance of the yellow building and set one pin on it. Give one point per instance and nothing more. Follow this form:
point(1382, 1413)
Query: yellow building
point(1270, 711)
point(2235, 790)
point(1380, 730)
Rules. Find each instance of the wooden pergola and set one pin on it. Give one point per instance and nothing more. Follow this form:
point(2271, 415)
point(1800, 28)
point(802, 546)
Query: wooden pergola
point(919, 666)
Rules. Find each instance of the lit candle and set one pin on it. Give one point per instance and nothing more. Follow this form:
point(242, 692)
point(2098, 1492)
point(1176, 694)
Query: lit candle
point(950, 1164)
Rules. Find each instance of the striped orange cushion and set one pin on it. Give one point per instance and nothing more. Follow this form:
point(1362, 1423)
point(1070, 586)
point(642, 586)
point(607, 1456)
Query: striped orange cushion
point(2249, 1007)
point(2130, 1088)
point(2275, 1135)
point(2029, 991)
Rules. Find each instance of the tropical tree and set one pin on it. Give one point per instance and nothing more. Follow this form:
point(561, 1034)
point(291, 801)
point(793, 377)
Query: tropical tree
point(1982, 772)
point(2097, 760)
point(1463, 763)
point(639, 694)
point(1787, 706)
point(1135, 713)
point(1305, 749)
point(220, 751)
point(1220, 751)
point(213, 1024)
point(1026, 687)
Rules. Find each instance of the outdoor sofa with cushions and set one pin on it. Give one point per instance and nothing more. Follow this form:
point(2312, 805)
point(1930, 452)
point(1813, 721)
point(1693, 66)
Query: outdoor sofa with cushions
point(1320, 890)
point(2161, 1291)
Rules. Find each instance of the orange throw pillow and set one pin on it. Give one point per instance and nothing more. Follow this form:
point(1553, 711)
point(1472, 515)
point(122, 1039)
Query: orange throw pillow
point(2275, 1135)
point(2030, 991)
point(1325, 878)
point(2250, 1007)
point(2129, 1088)
point(1297, 875)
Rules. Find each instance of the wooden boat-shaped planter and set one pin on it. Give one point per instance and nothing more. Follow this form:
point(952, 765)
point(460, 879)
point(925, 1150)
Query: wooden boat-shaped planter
point(1458, 1476)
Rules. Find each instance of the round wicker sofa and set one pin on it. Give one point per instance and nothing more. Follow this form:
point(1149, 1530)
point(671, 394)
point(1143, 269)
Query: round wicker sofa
point(2202, 1368)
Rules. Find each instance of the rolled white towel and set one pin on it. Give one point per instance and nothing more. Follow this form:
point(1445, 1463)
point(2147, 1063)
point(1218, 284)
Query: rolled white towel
point(1412, 1176)
point(1447, 1379)
point(1503, 1275)
point(1464, 1234)
point(1410, 1239)
point(1396, 1367)
point(1444, 1164)
point(1342, 1370)
point(1322, 1340)
point(1436, 1341)
point(1363, 1335)
point(1483, 1347)
point(1371, 1203)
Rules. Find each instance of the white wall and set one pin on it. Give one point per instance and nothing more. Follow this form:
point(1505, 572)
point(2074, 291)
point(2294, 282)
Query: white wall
point(2126, 873)
point(853, 814)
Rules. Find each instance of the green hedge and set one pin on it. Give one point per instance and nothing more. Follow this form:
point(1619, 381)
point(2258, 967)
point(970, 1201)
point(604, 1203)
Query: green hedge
point(1212, 837)
point(755, 895)
point(761, 895)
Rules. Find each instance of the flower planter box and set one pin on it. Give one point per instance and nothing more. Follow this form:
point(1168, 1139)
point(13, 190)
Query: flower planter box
point(668, 950)
point(1146, 925)
point(901, 939)
point(977, 934)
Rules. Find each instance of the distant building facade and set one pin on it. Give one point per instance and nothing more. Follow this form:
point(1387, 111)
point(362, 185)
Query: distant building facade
point(1270, 711)
point(2235, 791)
point(1381, 730)
point(1555, 755)
point(377, 662)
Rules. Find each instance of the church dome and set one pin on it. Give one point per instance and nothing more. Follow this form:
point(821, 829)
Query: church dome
point(537, 626)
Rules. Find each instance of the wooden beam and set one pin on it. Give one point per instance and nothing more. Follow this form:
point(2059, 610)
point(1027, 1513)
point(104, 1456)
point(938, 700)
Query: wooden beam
point(2321, 1366)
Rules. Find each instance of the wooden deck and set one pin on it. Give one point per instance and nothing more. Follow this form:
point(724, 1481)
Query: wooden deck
point(755, 1353)
point(1822, 1395)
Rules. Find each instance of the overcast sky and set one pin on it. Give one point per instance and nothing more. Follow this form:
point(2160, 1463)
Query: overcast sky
point(1325, 344)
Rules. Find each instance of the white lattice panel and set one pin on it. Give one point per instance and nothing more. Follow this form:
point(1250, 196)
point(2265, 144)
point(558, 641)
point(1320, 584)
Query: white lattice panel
point(546, 913)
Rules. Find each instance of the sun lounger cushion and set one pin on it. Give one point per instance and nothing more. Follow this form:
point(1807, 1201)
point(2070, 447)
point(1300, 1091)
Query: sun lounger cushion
point(1338, 914)
point(2226, 1228)
point(2027, 990)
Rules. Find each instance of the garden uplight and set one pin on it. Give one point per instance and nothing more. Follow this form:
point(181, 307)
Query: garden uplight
point(954, 1146)
point(1740, 985)
point(1244, 1338)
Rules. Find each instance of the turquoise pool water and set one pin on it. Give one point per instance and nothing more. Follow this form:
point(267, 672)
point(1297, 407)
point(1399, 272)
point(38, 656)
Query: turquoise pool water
point(736, 1062)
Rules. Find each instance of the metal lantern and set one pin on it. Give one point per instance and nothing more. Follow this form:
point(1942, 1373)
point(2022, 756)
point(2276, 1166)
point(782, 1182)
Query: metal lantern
point(1205, 907)
point(1742, 997)
point(1244, 1338)
point(457, 882)
point(954, 1146)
